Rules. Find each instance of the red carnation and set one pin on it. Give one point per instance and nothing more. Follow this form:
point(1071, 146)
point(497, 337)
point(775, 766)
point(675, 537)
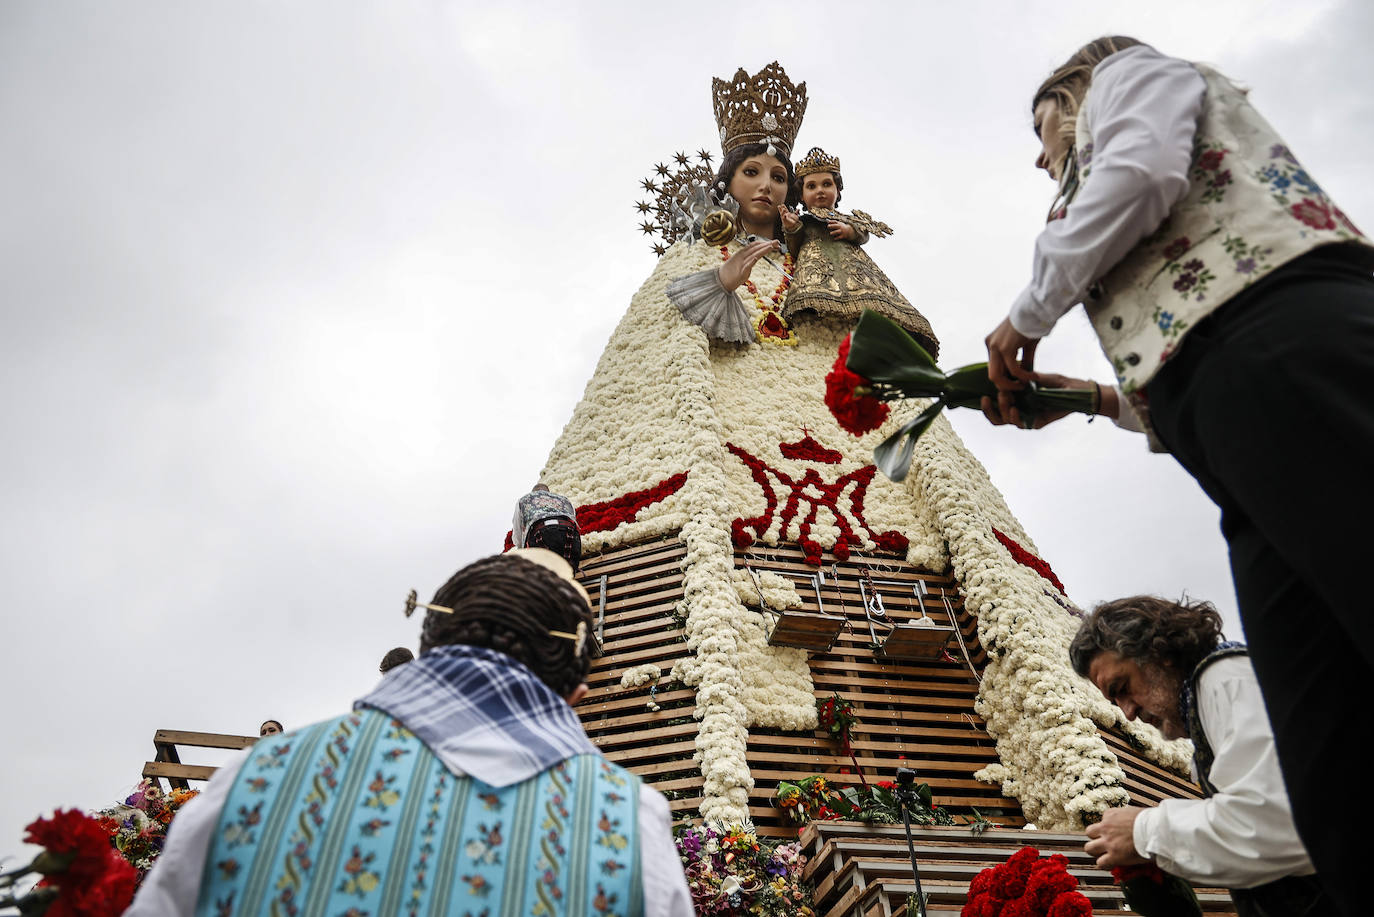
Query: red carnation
point(78, 860)
point(895, 542)
point(1071, 904)
point(739, 536)
point(856, 412)
point(1123, 874)
point(72, 839)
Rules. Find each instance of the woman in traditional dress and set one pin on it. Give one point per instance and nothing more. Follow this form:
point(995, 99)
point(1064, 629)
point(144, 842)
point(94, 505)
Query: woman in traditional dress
point(1234, 300)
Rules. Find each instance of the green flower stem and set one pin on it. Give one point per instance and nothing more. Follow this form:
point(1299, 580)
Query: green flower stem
point(897, 368)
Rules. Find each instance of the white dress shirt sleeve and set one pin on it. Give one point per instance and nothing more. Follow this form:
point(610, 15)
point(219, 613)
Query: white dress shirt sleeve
point(1125, 418)
point(1242, 836)
point(1142, 113)
point(665, 886)
point(173, 886)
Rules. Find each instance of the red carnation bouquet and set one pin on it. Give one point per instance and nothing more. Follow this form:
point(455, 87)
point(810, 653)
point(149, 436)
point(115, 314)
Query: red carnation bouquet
point(83, 875)
point(880, 362)
point(1026, 886)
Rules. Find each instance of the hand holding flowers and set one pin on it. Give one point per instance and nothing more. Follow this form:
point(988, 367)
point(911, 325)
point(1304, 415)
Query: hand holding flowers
point(881, 362)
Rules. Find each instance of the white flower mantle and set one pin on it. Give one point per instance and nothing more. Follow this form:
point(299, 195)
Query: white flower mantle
point(665, 400)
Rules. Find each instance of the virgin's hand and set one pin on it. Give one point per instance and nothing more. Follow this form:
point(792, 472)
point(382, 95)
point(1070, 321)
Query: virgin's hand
point(790, 221)
point(737, 268)
point(1112, 840)
point(1011, 359)
point(840, 230)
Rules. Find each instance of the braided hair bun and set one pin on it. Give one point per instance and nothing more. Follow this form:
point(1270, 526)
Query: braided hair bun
point(509, 603)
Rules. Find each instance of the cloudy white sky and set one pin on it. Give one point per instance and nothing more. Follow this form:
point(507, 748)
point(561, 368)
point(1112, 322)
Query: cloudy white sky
point(296, 297)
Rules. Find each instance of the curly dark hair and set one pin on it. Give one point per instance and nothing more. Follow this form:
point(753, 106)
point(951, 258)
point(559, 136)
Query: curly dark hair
point(394, 657)
point(732, 161)
point(1146, 629)
point(509, 604)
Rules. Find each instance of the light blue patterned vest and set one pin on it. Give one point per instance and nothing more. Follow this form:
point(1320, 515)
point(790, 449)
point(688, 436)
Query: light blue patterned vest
point(355, 816)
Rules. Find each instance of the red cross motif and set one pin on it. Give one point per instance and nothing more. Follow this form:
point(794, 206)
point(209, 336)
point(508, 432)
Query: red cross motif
point(807, 496)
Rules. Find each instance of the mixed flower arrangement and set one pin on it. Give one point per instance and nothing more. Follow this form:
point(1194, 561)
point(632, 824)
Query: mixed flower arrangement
point(817, 799)
point(1026, 886)
point(882, 362)
point(82, 872)
point(836, 716)
point(137, 827)
point(730, 870)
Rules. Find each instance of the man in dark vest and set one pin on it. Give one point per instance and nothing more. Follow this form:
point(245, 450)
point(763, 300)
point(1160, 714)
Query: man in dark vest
point(1165, 664)
point(463, 784)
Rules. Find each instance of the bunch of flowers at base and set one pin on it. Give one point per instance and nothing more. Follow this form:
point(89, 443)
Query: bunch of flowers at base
point(730, 870)
point(1026, 886)
point(82, 873)
point(138, 826)
point(817, 799)
point(881, 362)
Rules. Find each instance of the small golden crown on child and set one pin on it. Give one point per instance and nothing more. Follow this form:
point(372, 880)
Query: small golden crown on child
point(764, 108)
point(817, 160)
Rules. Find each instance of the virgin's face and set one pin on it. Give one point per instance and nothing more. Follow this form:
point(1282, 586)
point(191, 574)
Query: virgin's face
point(1053, 145)
point(818, 190)
point(760, 185)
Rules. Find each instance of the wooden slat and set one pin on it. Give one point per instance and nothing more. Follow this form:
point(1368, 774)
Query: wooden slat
point(916, 713)
point(202, 739)
point(866, 870)
point(175, 772)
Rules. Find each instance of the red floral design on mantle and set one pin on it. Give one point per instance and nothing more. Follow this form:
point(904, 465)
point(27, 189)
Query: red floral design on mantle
point(1027, 559)
point(807, 449)
point(604, 516)
point(813, 491)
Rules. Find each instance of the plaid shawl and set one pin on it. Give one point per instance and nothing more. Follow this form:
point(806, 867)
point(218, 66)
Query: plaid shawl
point(483, 712)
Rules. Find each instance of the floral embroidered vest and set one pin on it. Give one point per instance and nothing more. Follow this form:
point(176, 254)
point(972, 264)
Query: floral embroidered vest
point(1251, 207)
point(1203, 756)
point(355, 815)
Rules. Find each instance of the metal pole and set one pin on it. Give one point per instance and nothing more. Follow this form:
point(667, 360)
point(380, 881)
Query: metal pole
point(905, 778)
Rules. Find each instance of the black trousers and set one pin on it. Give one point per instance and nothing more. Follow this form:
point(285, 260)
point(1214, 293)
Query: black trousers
point(1270, 406)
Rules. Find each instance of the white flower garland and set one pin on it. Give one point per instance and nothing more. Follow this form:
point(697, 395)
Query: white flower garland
point(639, 676)
point(1037, 708)
point(779, 593)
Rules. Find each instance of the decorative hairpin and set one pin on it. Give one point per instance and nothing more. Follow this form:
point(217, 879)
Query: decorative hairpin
point(579, 638)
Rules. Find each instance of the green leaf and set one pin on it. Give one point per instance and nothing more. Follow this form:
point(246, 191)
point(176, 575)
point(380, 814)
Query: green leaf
point(966, 386)
point(893, 455)
point(881, 350)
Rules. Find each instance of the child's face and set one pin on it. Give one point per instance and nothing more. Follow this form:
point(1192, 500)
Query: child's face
point(818, 190)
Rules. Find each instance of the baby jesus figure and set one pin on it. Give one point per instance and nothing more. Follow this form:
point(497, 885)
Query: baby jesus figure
point(833, 274)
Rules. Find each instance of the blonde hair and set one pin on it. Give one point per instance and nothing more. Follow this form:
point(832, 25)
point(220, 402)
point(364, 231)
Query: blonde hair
point(1068, 84)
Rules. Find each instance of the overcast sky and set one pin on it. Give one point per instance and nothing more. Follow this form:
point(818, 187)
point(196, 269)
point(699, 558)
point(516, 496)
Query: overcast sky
point(296, 297)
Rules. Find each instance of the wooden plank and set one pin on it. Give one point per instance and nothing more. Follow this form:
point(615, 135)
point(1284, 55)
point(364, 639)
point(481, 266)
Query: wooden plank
point(202, 739)
point(177, 771)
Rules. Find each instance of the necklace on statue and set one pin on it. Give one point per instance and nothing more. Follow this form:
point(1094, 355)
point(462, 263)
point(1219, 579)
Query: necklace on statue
point(770, 326)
